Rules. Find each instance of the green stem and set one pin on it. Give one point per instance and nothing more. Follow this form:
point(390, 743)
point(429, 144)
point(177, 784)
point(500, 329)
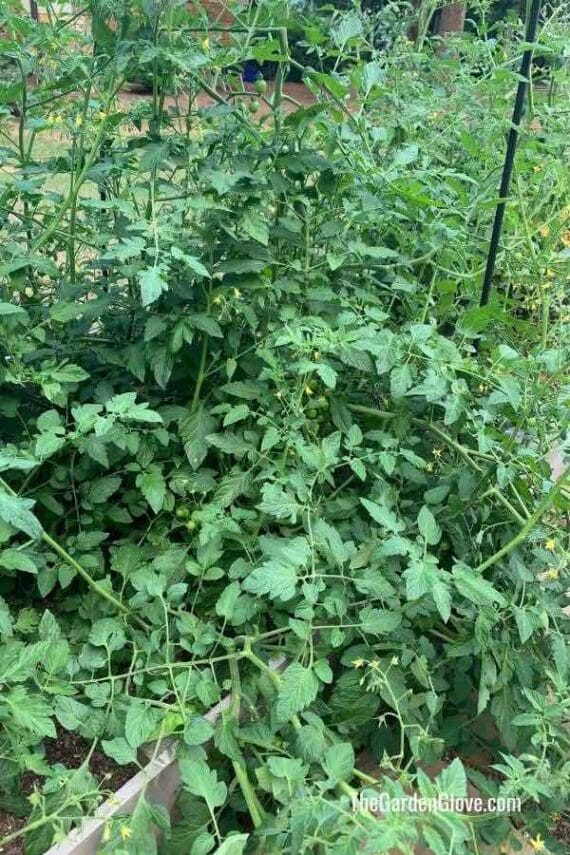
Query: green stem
point(342, 785)
point(91, 582)
point(201, 373)
point(462, 451)
point(24, 156)
point(74, 191)
point(529, 524)
point(493, 491)
point(544, 299)
point(280, 78)
point(102, 592)
point(251, 800)
point(209, 90)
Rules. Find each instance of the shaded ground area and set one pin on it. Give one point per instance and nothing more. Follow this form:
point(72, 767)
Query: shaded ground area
point(296, 94)
point(9, 825)
point(70, 750)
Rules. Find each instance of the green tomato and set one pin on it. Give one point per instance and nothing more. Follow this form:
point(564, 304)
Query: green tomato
point(260, 86)
point(253, 106)
point(182, 513)
point(321, 403)
point(311, 413)
point(191, 525)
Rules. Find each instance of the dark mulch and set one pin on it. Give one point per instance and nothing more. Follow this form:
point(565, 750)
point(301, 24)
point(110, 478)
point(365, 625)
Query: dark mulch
point(70, 750)
point(562, 829)
point(8, 825)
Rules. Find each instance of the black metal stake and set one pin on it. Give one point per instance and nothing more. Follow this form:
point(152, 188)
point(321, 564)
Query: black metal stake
point(531, 28)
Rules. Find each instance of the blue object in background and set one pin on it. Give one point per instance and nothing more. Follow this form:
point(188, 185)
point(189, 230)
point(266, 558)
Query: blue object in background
point(250, 71)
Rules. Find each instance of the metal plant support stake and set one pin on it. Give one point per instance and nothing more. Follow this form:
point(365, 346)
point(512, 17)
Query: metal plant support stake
point(531, 28)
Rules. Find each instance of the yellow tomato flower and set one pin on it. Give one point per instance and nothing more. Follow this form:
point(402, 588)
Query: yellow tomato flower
point(544, 230)
point(358, 663)
point(78, 121)
point(550, 544)
point(537, 843)
point(308, 390)
point(125, 832)
point(237, 293)
point(205, 44)
point(552, 573)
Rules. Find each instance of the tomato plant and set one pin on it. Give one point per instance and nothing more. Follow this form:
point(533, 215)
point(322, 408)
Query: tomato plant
point(242, 418)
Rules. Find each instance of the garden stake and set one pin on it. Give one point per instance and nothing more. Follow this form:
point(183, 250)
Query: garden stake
point(531, 29)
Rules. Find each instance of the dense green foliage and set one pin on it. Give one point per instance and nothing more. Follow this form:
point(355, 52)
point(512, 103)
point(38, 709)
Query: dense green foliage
point(241, 418)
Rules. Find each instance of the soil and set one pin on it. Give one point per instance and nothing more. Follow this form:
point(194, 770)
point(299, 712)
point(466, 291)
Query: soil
point(562, 829)
point(70, 750)
point(8, 825)
point(297, 92)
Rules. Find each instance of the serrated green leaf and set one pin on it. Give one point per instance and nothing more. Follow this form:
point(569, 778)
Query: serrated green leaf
point(6, 622)
point(139, 723)
point(153, 487)
point(194, 428)
point(278, 503)
point(339, 762)
point(385, 518)
point(419, 575)
point(442, 598)
point(203, 782)
point(452, 781)
point(233, 845)
point(30, 712)
point(119, 750)
point(190, 261)
point(475, 587)
point(17, 512)
point(13, 460)
point(236, 414)
point(13, 559)
point(428, 526)
point(11, 309)
point(379, 621)
point(152, 285)
point(197, 730)
point(18, 662)
point(277, 580)
point(297, 690)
